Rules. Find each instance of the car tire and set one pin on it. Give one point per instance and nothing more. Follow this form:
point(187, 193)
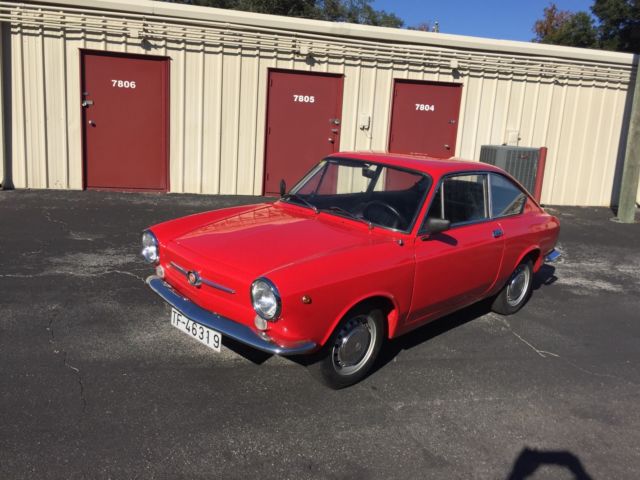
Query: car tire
point(516, 291)
point(352, 349)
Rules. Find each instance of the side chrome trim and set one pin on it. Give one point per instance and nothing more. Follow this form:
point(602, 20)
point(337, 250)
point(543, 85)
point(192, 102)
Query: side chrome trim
point(217, 285)
point(552, 256)
point(179, 268)
point(225, 326)
point(201, 279)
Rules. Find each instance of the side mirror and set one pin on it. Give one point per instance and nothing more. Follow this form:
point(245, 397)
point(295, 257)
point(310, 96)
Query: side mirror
point(436, 225)
point(283, 187)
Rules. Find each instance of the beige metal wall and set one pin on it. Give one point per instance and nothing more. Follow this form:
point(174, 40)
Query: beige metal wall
point(573, 103)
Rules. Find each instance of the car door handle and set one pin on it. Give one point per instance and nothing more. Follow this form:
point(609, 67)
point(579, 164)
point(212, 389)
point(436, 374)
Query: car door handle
point(497, 233)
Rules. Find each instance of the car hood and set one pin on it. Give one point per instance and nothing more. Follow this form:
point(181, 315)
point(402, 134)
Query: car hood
point(267, 238)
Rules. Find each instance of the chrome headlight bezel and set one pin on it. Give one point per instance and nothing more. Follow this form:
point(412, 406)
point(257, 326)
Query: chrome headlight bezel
point(150, 248)
point(263, 284)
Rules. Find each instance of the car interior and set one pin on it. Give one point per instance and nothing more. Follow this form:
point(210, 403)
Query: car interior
point(465, 200)
point(392, 209)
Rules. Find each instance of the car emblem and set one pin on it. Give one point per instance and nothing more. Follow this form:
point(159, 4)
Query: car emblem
point(193, 278)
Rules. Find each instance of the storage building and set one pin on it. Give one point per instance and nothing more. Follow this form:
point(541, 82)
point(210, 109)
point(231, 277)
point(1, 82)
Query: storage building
point(155, 96)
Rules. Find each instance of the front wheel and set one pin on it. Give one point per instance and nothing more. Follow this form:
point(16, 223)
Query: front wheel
point(517, 290)
point(352, 350)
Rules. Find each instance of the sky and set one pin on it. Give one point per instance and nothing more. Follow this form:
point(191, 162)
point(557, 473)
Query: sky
point(502, 19)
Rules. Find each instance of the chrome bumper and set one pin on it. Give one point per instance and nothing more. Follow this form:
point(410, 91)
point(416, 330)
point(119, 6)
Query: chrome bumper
point(225, 326)
point(552, 256)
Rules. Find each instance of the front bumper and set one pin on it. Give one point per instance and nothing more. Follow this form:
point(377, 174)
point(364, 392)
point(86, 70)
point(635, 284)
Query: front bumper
point(225, 326)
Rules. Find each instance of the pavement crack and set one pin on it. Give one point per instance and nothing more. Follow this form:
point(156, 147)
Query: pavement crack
point(50, 328)
point(47, 215)
point(597, 374)
point(123, 272)
point(76, 370)
point(542, 353)
point(71, 274)
point(545, 354)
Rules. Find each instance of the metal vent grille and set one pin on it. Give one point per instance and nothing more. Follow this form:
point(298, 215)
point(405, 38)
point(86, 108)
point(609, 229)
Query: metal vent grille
point(519, 162)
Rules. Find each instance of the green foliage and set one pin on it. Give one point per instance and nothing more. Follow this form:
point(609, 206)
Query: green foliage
point(619, 27)
point(616, 26)
point(351, 11)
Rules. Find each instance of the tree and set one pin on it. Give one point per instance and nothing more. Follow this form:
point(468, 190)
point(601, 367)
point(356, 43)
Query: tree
point(561, 27)
point(616, 26)
point(350, 11)
point(619, 27)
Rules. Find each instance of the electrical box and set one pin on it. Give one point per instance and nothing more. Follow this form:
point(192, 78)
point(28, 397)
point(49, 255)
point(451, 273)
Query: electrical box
point(524, 164)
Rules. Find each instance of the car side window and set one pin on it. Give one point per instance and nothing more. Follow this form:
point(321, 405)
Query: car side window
point(461, 199)
point(506, 197)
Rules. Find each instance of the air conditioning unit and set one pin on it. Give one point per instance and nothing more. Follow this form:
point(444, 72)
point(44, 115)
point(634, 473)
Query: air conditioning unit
point(524, 164)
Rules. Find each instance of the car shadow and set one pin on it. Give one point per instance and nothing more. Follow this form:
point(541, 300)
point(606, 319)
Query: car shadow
point(255, 356)
point(544, 276)
point(530, 460)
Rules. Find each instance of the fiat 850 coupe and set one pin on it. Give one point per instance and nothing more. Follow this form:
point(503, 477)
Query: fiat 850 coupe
point(366, 247)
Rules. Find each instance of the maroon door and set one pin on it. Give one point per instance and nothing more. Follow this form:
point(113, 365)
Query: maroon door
point(303, 124)
point(424, 119)
point(124, 114)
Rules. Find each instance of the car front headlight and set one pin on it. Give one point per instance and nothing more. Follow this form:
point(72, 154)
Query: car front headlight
point(149, 250)
point(266, 299)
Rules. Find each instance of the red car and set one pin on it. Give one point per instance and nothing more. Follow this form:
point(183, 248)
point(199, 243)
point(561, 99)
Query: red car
point(366, 247)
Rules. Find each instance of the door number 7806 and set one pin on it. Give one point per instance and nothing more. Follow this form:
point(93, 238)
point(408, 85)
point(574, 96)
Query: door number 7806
point(123, 83)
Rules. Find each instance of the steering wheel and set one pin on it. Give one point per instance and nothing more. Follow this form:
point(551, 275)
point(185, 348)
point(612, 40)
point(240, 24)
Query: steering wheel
point(385, 211)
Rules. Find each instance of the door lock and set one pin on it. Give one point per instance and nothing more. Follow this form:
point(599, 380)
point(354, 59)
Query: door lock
point(446, 146)
point(92, 123)
point(331, 140)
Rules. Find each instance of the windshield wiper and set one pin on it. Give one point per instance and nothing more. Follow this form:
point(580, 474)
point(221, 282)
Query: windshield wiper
point(347, 213)
point(295, 196)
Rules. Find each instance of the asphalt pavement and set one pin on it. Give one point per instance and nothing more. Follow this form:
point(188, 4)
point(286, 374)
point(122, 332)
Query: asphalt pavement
point(95, 382)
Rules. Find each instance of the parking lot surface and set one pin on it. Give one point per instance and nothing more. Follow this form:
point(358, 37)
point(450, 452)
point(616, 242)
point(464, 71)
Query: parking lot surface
point(96, 383)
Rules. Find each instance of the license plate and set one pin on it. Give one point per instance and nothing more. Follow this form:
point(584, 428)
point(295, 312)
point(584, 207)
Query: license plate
point(204, 335)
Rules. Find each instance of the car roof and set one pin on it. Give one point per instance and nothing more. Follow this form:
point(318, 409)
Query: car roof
point(423, 163)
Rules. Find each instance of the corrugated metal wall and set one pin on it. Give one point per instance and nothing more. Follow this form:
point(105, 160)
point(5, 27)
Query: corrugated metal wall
point(219, 96)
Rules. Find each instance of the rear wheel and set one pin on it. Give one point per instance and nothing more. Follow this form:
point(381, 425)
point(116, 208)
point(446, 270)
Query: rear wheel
point(517, 290)
point(352, 350)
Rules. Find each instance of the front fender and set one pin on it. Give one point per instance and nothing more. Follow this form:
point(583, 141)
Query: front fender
point(317, 294)
point(392, 316)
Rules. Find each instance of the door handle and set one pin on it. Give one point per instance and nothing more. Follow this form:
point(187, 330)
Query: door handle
point(446, 145)
point(87, 103)
point(497, 233)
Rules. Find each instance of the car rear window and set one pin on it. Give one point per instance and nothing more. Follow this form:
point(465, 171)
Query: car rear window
point(506, 197)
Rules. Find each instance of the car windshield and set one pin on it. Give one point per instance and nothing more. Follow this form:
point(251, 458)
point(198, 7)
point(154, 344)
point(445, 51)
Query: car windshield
point(369, 192)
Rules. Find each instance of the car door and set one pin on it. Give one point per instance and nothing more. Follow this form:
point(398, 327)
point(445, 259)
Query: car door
point(456, 267)
point(508, 205)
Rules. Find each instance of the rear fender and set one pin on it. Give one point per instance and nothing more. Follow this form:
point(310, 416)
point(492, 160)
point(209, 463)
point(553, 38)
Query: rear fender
point(534, 252)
